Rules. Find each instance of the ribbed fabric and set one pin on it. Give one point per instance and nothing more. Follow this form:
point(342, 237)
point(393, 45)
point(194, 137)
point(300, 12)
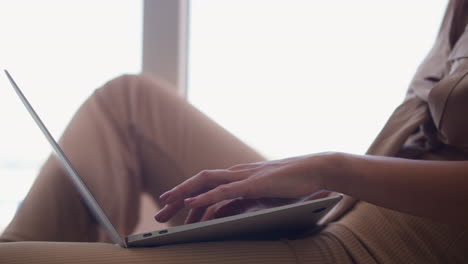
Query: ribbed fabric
point(101, 253)
point(392, 237)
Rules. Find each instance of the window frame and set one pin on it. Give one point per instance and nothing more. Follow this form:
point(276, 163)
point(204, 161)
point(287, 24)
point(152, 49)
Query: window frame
point(165, 41)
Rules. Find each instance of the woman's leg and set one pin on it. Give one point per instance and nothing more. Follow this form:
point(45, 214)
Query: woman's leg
point(272, 252)
point(133, 135)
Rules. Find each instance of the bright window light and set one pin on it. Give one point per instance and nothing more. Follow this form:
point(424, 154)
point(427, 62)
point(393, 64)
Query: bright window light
point(58, 52)
point(299, 76)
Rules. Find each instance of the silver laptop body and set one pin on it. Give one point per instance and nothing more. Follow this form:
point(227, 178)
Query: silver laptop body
point(264, 224)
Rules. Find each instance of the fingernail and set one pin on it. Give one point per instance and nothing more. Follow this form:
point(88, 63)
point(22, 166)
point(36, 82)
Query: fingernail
point(164, 196)
point(159, 215)
point(160, 218)
point(189, 200)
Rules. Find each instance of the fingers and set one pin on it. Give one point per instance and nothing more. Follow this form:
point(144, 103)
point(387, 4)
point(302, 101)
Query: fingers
point(210, 213)
point(211, 186)
point(244, 166)
point(220, 193)
point(195, 215)
point(202, 182)
point(196, 184)
point(232, 207)
point(218, 210)
point(168, 211)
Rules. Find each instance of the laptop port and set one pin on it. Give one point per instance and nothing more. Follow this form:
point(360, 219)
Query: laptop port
point(316, 211)
point(163, 231)
point(147, 234)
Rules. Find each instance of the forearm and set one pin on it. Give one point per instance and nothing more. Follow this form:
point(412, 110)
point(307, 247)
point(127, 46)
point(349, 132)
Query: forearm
point(433, 189)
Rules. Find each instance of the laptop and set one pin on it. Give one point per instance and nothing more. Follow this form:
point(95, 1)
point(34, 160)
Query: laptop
point(264, 224)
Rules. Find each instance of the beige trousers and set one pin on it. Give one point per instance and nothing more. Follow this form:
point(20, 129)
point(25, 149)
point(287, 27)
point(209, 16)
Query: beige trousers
point(136, 136)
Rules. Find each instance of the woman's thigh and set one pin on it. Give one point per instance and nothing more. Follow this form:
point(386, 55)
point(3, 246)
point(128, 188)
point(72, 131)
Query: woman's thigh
point(215, 252)
point(322, 248)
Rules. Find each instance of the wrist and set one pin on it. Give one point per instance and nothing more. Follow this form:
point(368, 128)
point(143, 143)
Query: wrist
point(334, 170)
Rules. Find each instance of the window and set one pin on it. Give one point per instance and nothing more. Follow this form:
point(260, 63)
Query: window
point(298, 76)
point(58, 52)
point(287, 77)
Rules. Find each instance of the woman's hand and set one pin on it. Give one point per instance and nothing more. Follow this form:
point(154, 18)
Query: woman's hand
point(293, 178)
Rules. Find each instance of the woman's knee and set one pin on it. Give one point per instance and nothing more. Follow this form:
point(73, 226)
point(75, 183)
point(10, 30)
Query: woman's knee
point(117, 91)
point(129, 92)
point(128, 86)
